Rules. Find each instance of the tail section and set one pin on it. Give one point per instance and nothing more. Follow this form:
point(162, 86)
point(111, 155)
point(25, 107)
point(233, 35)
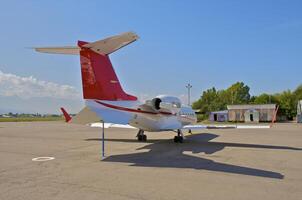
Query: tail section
point(99, 78)
point(66, 115)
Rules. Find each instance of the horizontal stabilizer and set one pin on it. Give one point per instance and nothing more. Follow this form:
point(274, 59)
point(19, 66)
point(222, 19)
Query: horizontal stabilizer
point(111, 44)
point(104, 47)
point(59, 50)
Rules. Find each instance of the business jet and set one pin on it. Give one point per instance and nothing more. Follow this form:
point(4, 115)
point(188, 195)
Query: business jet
point(106, 100)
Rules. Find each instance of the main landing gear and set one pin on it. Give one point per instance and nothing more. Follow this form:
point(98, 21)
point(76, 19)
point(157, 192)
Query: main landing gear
point(141, 136)
point(179, 138)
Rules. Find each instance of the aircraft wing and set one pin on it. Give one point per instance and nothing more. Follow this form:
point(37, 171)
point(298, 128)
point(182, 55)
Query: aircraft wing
point(214, 126)
point(86, 116)
point(110, 125)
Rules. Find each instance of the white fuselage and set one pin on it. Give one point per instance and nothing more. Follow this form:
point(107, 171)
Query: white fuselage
point(129, 112)
point(162, 122)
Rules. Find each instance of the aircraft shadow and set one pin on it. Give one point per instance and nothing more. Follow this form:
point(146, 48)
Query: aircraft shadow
point(166, 153)
point(124, 140)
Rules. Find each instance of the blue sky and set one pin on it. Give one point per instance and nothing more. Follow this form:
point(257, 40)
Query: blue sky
point(206, 43)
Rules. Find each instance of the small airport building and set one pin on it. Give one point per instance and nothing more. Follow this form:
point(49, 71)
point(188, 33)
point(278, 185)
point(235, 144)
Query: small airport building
point(219, 116)
point(248, 113)
point(251, 113)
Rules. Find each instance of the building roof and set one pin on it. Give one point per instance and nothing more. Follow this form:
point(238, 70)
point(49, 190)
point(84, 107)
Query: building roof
point(252, 106)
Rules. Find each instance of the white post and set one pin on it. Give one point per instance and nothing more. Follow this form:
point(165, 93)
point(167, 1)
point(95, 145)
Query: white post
point(103, 141)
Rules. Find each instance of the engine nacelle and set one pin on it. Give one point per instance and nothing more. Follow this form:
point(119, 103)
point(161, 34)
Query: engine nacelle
point(165, 103)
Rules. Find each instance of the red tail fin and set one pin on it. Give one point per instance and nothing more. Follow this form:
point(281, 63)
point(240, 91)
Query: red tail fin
point(66, 115)
point(98, 77)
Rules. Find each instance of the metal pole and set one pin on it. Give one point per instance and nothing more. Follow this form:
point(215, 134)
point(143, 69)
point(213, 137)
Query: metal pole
point(189, 86)
point(103, 140)
point(232, 97)
point(269, 98)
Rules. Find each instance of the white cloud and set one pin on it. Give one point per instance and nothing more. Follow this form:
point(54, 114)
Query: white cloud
point(30, 87)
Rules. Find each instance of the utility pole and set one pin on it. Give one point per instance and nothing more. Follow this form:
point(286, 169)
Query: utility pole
point(269, 97)
point(189, 86)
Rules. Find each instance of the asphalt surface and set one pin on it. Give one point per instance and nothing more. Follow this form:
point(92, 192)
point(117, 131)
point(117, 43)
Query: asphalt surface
point(211, 164)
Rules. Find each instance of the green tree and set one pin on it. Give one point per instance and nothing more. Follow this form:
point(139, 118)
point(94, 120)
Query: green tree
point(213, 100)
point(207, 101)
point(264, 99)
point(298, 93)
point(287, 103)
point(238, 93)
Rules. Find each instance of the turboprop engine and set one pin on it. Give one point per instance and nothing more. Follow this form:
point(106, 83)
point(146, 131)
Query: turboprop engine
point(165, 103)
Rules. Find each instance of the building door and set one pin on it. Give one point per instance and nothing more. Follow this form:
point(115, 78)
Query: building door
point(251, 117)
point(215, 117)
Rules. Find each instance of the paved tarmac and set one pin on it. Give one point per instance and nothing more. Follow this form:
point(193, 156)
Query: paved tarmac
point(211, 164)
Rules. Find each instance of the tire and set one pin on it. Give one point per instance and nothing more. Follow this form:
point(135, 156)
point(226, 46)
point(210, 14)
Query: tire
point(139, 138)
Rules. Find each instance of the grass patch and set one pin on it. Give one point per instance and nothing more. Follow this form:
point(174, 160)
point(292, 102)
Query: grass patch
point(30, 119)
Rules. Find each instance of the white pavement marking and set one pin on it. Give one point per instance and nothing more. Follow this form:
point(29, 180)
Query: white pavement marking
point(41, 159)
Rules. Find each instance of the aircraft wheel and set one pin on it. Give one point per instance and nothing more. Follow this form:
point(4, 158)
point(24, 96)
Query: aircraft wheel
point(175, 139)
point(178, 139)
point(140, 138)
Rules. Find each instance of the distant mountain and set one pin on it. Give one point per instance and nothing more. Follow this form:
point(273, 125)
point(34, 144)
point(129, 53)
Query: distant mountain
point(5, 111)
point(40, 105)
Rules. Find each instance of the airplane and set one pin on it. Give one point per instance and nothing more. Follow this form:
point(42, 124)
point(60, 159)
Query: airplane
point(106, 100)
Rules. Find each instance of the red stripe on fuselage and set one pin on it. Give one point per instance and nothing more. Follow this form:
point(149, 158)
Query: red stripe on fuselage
point(131, 109)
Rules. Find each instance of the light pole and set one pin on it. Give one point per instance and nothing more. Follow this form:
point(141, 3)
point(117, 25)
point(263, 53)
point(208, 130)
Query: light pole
point(269, 99)
point(189, 86)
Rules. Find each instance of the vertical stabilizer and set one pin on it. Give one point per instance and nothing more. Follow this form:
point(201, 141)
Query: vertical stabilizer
point(99, 78)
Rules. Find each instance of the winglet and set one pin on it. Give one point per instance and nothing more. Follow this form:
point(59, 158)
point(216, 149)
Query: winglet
point(66, 115)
